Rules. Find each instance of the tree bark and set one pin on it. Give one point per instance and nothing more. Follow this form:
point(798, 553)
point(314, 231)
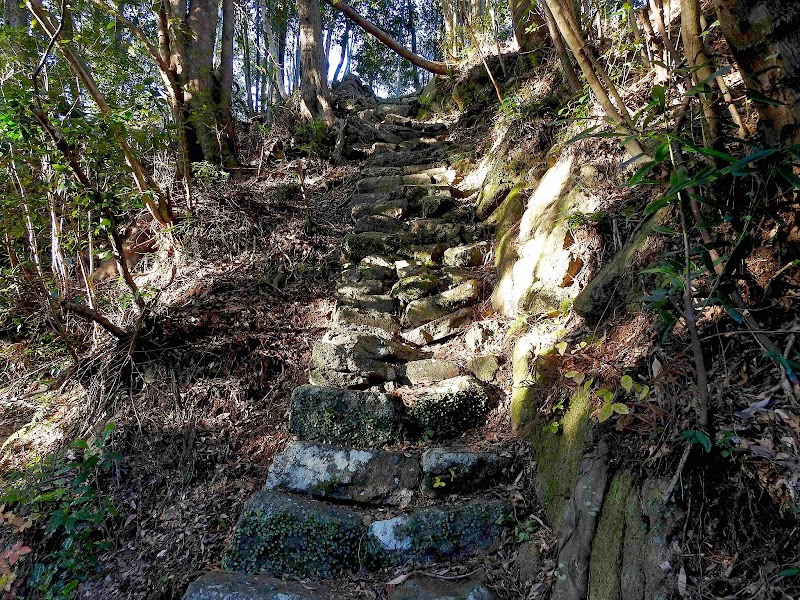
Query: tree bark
point(563, 56)
point(439, 68)
point(315, 98)
point(764, 36)
point(226, 81)
point(577, 44)
point(248, 81)
point(528, 25)
point(699, 63)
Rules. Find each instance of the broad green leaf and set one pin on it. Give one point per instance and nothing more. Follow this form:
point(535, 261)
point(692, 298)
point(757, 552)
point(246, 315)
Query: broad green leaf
point(627, 383)
point(620, 408)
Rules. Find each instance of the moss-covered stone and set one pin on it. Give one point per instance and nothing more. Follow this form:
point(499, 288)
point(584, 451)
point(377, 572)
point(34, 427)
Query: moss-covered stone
point(360, 245)
point(510, 211)
point(606, 557)
point(449, 408)
point(414, 287)
point(365, 419)
point(284, 534)
point(434, 534)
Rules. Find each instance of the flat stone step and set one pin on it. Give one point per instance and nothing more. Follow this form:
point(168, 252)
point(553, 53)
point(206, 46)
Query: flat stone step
point(349, 315)
point(435, 534)
point(451, 470)
point(469, 255)
point(349, 289)
point(420, 587)
point(375, 302)
point(430, 370)
point(393, 182)
point(446, 409)
point(439, 329)
point(415, 286)
point(400, 158)
point(423, 310)
point(281, 534)
point(382, 223)
point(399, 171)
point(221, 585)
point(378, 204)
point(346, 474)
point(360, 245)
point(436, 231)
point(337, 416)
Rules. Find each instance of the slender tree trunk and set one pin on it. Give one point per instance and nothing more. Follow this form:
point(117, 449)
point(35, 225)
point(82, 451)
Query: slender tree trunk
point(412, 31)
point(700, 64)
point(344, 45)
point(577, 44)
point(281, 29)
point(158, 206)
point(563, 56)
point(226, 82)
point(248, 82)
point(315, 99)
point(765, 39)
point(383, 37)
point(528, 25)
point(275, 58)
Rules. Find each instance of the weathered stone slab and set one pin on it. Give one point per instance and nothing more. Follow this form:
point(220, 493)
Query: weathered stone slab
point(484, 367)
point(392, 182)
point(429, 255)
point(362, 205)
point(433, 205)
point(277, 533)
point(448, 408)
point(365, 419)
point(436, 231)
point(364, 287)
point(382, 303)
point(369, 476)
point(430, 370)
point(407, 268)
point(376, 267)
point(378, 223)
point(435, 534)
point(427, 309)
point(439, 329)
point(414, 287)
point(470, 255)
point(220, 585)
point(420, 587)
point(359, 245)
point(447, 470)
point(348, 315)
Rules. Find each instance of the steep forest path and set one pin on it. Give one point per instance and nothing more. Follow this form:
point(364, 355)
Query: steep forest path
point(381, 478)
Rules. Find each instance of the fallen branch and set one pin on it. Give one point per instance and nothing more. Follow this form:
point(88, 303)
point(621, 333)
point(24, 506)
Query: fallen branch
point(92, 315)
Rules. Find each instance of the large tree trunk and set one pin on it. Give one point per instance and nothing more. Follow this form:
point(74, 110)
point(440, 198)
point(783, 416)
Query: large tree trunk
point(699, 63)
point(248, 80)
point(436, 67)
point(275, 53)
point(563, 56)
point(315, 98)
point(197, 82)
point(764, 36)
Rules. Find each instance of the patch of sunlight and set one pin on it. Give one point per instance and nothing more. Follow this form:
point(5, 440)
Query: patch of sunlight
point(550, 189)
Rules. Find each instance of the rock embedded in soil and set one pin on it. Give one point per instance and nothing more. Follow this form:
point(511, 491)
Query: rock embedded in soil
point(364, 419)
point(382, 303)
point(423, 310)
point(435, 231)
point(360, 245)
point(471, 255)
point(447, 470)
point(365, 205)
point(377, 223)
point(377, 267)
point(448, 408)
point(419, 587)
point(430, 370)
point(435, 534)
point(351, 349)
point(278, 533)
point(349, 474)
point(238, 586)
point(439, 329)
point(408, 268)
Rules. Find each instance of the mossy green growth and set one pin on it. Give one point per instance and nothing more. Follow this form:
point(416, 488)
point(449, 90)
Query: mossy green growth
point(559, 454)
point(434, 534)
point(444, 416)
point(606, 558)
point(414, 287)
point(508, 213)
point(281, 534)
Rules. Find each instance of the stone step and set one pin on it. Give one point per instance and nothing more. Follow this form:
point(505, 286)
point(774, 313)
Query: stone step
point(470, 255)
point(381, 223)
point(346, 474)
point(366, 355)
point(415, 286)
point(427, 309)
point(221, 585)
point(349, 315)
point(337, 416)
point(387, 157)
point(378, 204)
point(281, 534)
point(435, 534)
point(382, 303)
point(399, 171)
point(439, 329)
point(387, 183)
point(436, 231)
point(452, 470)
point(421, 587)
point(446, 409)
point(353, 289)
point(430, 370)
point(357, 246)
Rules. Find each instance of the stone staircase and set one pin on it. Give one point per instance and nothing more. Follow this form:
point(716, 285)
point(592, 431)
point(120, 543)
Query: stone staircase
point(374, 481)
